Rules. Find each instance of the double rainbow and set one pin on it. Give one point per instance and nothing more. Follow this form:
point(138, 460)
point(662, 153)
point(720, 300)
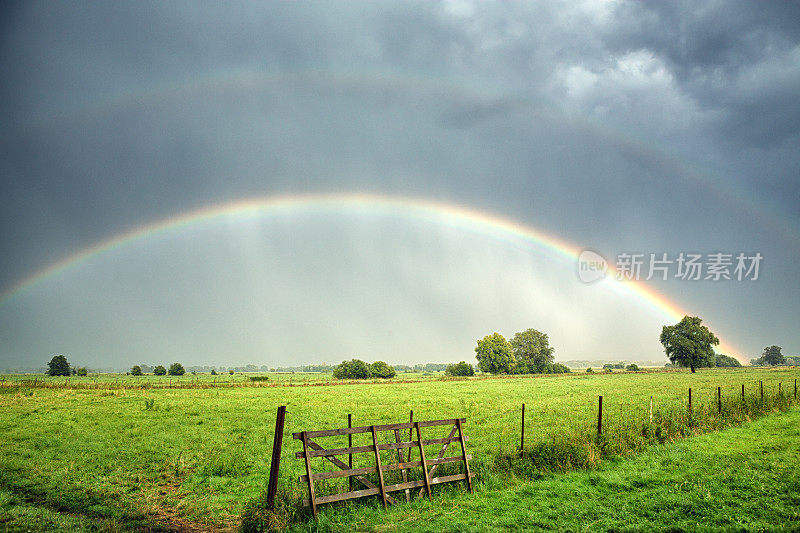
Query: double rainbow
point(402, 207)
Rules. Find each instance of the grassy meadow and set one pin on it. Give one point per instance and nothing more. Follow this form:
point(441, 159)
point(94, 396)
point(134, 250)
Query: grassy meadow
point(120, 453)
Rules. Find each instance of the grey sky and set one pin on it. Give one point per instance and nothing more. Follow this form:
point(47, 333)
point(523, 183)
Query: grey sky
point(616, 126)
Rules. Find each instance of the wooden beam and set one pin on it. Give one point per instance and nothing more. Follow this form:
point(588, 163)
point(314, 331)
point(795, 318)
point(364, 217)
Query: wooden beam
point(425, 475)
point(310, 477)
point(378, 465)
point(464, 454)
point(367, 429)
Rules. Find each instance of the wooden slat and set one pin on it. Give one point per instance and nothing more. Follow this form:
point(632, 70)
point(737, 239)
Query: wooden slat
point(441, 454)
point(425, 476)
point(400, 460)
point(341, 464)
point(322, 452)
point(386, 468)
point(367, 429)
point(378, 465)
point(310, 477)
point(464, 454)
point(389, 488)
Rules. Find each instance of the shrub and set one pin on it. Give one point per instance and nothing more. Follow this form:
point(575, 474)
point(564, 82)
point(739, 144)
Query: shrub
point(136, 370)
point(230, 372)
point(352, 369)
point(160, 370)
point(176, 369)
point(379, 369)
point(460, 369)
point(589, 370)
point(259, 378)
point(633, 367)
point(555, 368)
point(82, 371)
point(213, 372)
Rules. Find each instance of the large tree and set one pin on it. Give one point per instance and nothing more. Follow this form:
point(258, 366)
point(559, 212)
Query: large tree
point(494, 354)
point(176, 369)
point(532, 351)
point(58, 366)
point(688, 343)
point(772, 356)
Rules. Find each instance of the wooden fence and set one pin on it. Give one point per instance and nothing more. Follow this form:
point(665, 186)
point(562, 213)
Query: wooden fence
point(403, 462)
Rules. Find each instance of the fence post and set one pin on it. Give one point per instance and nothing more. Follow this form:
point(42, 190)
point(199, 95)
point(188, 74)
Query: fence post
point(761, 384)
point(651, 409)
point(719, 400)
point(795, 388)
point(410, 433)
point(742, 393)
point(690, 402)
point(274, 465)
point(522, 437)
point(350, 455)
point(600, 416)
point(779, 389)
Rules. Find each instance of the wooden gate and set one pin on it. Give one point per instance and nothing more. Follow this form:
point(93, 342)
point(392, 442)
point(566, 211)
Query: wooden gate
point(426, 466)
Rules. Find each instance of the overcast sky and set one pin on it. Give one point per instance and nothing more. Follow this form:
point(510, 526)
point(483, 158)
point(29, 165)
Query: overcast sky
point(662, 127)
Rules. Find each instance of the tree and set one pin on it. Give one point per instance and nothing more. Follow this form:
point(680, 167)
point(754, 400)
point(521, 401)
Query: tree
point(160, 370)
point(176, 369)
point(772, 356)
point(136, 370)
point(353, 369)
point(82, 371)
point(379, 369)
point(688, 343)
point(58, 366)
point(633, 367)
point(532, 351)
point(460, 369)
point(494, 354)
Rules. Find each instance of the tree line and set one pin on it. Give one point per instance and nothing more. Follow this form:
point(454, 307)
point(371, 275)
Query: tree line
point(687, 343)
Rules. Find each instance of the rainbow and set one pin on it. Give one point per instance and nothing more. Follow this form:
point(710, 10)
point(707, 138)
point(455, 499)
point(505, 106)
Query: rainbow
point(402, 207)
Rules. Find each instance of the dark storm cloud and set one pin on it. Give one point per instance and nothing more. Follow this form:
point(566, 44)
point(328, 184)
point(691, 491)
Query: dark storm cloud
point(738, 58)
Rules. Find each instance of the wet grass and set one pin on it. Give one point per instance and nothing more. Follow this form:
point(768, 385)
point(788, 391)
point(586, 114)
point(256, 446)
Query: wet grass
point(125, 458)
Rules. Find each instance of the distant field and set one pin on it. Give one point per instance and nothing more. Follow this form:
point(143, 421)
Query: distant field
point(116, 456)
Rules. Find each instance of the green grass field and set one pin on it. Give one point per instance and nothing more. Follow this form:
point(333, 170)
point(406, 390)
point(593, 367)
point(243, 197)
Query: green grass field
point(121, 457)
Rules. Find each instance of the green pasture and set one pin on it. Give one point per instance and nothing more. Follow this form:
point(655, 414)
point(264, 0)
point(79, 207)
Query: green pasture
point(119, 456)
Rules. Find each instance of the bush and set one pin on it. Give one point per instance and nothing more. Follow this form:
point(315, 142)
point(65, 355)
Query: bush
point(82, 371)
point(160, 370)
point(213, 372)
point(352, 369)
point(633, 367)
point(379, 369)
point(259, 378)
point(460, 369)
point(230, 372)
point(589, 370)
point(136, 370)
point(176, 369)
point(555, 368)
